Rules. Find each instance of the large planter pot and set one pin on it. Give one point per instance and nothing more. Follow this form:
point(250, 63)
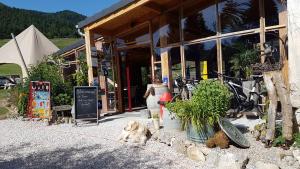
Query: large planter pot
point(199, 136)
point(152, 101)
point(170, 122)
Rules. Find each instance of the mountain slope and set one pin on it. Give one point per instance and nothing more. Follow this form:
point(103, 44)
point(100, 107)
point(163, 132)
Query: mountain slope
point(53, 25)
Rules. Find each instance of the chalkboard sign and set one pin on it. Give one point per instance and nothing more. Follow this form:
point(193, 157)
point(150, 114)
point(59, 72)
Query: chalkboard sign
point(86, 102)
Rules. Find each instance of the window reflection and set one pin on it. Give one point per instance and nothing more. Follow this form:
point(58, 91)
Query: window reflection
point(199, 20)
point(166, 29)
point(238, 15)
point(201, 59)
point(238, 53)
point(272, 10)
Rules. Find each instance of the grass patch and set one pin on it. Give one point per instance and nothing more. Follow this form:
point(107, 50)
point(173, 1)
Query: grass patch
point(59, 42)
point(63, 42)
point(3, 41)
point(3, 94)
point(3, 111)
point(10, 69)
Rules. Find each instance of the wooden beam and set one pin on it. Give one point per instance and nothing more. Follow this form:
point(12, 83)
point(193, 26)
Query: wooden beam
point(117, 14)
point(89, 43)
point(154, 7)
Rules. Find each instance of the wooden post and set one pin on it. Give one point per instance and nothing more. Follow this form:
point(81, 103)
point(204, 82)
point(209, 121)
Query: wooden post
point(89, 43)
point(165, 58)
point(120, 106)
point(286, 106)
point(152, 52)
point(218, 42)
point(262, 28)
point(182, 53)
point(25, 74)
point(283, 35)
point(268, 76)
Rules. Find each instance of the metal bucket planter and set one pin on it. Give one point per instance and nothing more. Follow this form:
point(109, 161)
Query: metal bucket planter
point(170, 122)
point(199, 136)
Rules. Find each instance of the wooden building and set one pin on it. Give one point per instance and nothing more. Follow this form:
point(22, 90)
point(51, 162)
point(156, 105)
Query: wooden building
point(148, 39)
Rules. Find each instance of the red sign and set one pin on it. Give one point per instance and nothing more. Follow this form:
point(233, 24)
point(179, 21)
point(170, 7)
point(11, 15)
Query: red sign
point(39, 99)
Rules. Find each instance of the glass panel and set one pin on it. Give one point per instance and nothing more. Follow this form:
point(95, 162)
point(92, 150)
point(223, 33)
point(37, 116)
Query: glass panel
point(199, 20)
point(272, 10)
point(166, 29)
point(157, 73)
point(238, 15)
point(239, 53)
point(140, 36)
point(201, 59)
point(175, 61)
point(157, 54)
point(272, 39)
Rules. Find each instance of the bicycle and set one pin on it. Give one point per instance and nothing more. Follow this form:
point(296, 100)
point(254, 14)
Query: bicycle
point(242, 102)
point(185, 88)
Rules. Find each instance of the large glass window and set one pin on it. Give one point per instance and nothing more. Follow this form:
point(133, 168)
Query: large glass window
point(201, 60)
point(238, 54)
point(272, 10)
point(238, 15)
point(199, 20)
point(166, 29)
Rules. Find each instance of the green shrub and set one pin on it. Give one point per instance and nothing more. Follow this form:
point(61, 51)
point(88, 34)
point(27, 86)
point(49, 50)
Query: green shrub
point(63, 99)
point(297, 140)
point(211, 100)
point(44, 71)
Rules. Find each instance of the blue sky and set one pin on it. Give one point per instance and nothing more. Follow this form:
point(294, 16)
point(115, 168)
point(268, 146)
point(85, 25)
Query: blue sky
point(85, 7)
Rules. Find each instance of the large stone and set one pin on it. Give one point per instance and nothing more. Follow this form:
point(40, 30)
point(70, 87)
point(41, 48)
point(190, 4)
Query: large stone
point(297, 114)
point(233, 161)
point(178, 145)
point(262, 165)
point(194, 153)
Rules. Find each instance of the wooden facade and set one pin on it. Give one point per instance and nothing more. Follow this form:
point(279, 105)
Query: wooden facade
point(139, 26)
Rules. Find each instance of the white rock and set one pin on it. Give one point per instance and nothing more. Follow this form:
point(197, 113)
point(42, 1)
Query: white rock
point(296, 154)
point(297, 114)
point(205, 150)
point(232, 161)
point(194, 153)
point(262, 165)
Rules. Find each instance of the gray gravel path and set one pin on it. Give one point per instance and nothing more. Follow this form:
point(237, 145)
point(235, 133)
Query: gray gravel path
point(27, 144)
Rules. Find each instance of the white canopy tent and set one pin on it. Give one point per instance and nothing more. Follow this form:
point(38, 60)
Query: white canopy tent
point(34, 47)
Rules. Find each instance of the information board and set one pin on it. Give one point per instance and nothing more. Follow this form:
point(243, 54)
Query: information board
point(86, 102)
point(39, 99)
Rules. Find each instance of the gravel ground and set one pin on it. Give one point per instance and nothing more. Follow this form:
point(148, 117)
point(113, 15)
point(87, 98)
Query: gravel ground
point(28, 144)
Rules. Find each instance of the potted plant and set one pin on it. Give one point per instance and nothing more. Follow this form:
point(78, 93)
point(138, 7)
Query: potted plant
point(155, 119)
point(211, 100)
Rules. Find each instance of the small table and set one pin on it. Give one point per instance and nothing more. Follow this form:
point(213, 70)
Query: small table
point(61, 109)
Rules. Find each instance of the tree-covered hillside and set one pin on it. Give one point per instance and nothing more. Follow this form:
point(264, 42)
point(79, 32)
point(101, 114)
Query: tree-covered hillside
point(53, 25)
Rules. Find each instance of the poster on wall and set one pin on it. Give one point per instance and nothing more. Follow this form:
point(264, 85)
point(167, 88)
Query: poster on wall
point(39, 99)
